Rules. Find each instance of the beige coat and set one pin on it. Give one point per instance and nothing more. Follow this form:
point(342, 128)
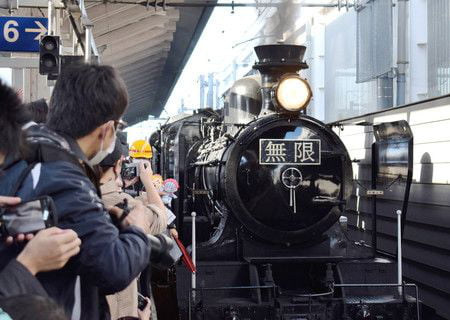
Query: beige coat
point(112, 195)
point(125, 302)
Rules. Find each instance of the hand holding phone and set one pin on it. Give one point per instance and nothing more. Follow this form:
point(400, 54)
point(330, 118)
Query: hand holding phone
point(142, 302)
point(146, 312)
point(27, 217)
point(146, 173)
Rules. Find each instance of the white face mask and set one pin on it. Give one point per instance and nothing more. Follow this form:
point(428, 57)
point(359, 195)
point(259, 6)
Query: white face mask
point(102, 154)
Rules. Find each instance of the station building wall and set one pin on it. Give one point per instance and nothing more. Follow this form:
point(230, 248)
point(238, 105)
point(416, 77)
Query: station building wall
point(426, 245)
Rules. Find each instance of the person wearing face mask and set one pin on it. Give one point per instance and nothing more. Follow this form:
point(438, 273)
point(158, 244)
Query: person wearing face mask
point(124, 304)
point(85, 110)
point(111, 187)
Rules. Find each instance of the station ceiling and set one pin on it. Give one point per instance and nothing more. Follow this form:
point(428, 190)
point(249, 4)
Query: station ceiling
point(149, 48)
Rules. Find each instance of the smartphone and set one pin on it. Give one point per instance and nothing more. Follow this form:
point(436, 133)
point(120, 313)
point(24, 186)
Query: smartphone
point(28, 217)
point(142, 302)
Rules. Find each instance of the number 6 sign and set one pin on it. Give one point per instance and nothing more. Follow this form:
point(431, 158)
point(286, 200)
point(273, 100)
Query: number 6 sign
point(10, 32)
point(21, 34)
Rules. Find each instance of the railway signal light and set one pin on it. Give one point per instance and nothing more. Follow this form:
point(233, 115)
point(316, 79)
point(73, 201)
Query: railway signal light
point(49, 59)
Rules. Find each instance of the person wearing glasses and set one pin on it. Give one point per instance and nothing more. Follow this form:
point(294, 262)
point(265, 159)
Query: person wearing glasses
point(85, 110)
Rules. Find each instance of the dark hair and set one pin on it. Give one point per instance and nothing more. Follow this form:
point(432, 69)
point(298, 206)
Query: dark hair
point(12, 117)
point(38, 110)
point(85, 97)
point(120, 149)
point(30, 307)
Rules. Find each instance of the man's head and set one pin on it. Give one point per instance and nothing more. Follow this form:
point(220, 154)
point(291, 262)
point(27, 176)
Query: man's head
point(12, 117)
point(86, 104)
point(38, 110)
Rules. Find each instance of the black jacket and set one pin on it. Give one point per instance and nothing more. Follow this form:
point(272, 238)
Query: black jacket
point(108, 259)
point(16, 280)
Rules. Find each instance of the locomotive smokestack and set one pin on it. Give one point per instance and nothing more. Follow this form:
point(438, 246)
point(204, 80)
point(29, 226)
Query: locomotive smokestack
point(274, 61)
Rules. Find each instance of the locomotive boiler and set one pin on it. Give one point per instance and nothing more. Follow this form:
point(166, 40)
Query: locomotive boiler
point(268, 185)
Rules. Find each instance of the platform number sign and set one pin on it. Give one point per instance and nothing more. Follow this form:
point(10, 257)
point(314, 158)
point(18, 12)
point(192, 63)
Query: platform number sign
point(21, 34)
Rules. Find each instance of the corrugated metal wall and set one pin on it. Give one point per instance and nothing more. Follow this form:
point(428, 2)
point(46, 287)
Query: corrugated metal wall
point(343, 96)
point(427, 231)
point(374, 39)
point(438, 47)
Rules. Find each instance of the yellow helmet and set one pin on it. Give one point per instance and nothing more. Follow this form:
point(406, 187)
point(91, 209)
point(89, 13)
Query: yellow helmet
point(141, 149)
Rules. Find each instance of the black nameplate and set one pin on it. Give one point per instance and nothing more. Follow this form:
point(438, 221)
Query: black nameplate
point(288, 151)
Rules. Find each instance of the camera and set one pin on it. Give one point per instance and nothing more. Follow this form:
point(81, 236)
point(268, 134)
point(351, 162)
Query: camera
point(129, 170)
point(27, 217)
point(164, 252)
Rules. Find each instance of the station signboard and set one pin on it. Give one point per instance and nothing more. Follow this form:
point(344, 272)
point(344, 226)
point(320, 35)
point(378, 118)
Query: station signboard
point(21, 34)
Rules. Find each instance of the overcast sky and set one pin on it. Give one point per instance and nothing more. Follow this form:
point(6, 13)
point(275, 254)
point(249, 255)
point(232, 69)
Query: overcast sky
point(213, 53)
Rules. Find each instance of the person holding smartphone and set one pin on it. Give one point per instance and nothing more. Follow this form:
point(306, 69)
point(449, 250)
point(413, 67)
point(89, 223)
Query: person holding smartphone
point(125, 304)
point(86, 106)
point(49, 249)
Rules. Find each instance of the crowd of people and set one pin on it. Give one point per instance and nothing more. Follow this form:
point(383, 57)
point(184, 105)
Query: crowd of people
point(89, 263)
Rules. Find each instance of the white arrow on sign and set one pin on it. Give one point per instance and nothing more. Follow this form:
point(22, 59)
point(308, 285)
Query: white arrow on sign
point(42, 30)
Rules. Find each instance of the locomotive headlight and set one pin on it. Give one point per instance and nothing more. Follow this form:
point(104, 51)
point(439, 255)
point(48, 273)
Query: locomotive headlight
point(292, 93)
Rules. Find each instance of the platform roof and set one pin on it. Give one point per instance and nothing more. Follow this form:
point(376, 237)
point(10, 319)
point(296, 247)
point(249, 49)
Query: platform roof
point(149, 48)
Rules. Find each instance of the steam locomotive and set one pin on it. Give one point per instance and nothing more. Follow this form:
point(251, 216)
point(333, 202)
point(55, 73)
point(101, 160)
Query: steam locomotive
point(268, 185)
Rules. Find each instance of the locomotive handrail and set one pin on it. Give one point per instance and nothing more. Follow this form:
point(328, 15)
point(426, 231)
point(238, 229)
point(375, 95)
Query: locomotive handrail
point(313, 295)
point(351, 285)
point(327, 200)
point(218, 123)
point(233, 288)
point(206, 163)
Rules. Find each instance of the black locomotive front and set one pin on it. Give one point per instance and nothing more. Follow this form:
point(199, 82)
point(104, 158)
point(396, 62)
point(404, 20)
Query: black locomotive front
point(269, 186)
point(284, 178)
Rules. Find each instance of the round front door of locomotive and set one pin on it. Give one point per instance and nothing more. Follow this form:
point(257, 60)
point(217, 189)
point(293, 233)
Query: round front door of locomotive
point(277, 170)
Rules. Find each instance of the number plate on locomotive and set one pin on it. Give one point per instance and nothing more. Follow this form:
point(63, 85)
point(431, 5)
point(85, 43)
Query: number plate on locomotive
point(288, 151)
